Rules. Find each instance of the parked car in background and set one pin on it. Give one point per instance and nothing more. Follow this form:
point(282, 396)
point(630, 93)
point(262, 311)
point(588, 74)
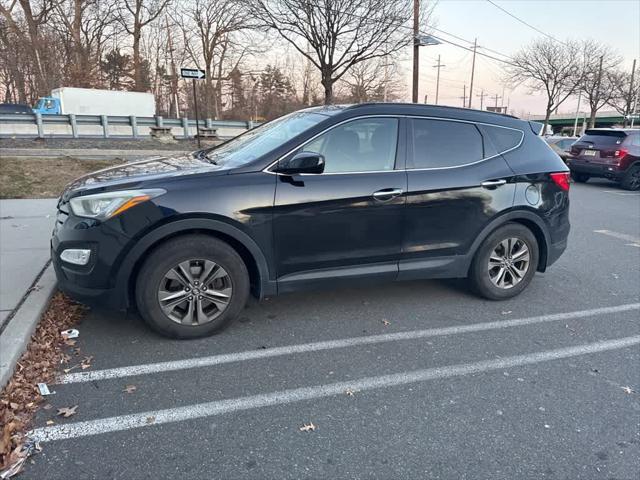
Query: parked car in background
point(561, 145)
point(11, 108)
point(327, 196)
point(607, 153)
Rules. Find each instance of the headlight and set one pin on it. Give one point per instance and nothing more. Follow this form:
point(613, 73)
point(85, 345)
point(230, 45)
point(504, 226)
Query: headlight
point(103, 206)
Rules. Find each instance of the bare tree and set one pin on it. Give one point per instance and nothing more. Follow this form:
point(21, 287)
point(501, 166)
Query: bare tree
point(339, 33)
point(374, 81)
point(600, 66)
point(134, 15)
point(626, 91)
point(548, 65)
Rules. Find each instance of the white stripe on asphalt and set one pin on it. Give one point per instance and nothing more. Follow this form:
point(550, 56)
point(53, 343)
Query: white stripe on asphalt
point(220, 407)
point(634, 241)
point(170, 366)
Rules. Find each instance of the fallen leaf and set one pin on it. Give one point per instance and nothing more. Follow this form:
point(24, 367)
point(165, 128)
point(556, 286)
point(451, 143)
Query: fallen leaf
point(308, 428)
point(627, 389)
point(151, 419)
point(349, 392)
point(69, 343)
point(84, 366)
point(50, 422)
point(67, 411)
point(130, 389)
point(48, 406)
point(386, 322)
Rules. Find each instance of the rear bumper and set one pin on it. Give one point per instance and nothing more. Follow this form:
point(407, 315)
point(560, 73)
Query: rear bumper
point(595, 169)
point(555, 250)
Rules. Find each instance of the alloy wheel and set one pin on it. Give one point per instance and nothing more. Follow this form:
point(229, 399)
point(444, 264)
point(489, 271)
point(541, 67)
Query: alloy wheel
point(509, 262)
point(195, 292)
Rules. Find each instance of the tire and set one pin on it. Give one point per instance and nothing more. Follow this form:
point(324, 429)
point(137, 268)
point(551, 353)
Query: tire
point(176, 270)
point(631, 180)
point(480, 275)
point(580, 177)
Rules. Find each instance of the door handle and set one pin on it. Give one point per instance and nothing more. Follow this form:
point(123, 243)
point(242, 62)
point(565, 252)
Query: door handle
point(493, 183)
point(387, 193)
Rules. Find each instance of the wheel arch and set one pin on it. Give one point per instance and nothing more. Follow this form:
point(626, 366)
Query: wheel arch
point(245, 246)
point(524, 217)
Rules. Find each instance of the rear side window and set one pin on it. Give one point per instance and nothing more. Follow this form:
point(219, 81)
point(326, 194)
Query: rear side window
point(501, 139)
point(443, 143)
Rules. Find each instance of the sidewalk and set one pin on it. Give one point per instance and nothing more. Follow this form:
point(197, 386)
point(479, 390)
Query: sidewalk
point(25, 230)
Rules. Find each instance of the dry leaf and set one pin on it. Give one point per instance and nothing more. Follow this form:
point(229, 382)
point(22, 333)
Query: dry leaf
point(50, 422)
point(48, 406)
point(308, 427)
point(151, 419)
point(84, 366)
point(67, 411)
point(69, 342)
point(627, 389)
point(386, 322)
point(130, 389)
point(349, 392)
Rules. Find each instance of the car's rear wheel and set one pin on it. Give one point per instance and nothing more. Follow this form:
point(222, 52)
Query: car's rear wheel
point(191, 287)
point(580, 177)
point(631, 180)
point(505, 263)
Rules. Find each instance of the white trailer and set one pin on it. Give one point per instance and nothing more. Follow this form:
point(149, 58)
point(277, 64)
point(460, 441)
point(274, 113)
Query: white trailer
point(89, 101)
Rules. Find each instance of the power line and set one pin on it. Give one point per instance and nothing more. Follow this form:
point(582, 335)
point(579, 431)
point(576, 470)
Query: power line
point(524, 23)
point(470, 42)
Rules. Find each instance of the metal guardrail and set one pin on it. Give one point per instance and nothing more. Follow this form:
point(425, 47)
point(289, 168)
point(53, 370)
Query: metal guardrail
point(134, 123)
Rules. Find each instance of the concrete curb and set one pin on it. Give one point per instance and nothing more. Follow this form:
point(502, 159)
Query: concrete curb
point(17, 333)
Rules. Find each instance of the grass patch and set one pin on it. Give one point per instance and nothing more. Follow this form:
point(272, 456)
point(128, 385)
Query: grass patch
point(28, 177)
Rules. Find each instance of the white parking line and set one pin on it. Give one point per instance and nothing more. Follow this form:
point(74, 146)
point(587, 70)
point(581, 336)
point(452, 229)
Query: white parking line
point(634, 241)
point(631, 194)
point(331, 344)
point(221, 407)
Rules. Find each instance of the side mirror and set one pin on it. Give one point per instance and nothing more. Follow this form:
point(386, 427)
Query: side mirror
point(302, 162)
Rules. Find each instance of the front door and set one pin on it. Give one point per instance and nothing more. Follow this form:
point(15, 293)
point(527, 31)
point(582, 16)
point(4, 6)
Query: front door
point(346, 222)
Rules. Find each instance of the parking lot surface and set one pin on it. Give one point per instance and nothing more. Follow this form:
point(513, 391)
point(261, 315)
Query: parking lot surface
point(405, 380)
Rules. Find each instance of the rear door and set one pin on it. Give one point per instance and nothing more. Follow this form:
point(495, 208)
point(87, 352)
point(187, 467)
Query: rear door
point(347, 221)
point(457, 182)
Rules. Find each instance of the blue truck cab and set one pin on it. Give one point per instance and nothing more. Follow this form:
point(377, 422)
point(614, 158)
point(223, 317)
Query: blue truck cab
point(48, 106)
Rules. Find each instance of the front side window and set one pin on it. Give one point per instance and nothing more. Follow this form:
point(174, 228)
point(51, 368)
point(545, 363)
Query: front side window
point(442, 144)
point(363, 145)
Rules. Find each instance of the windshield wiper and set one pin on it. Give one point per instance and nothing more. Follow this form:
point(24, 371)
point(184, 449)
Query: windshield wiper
point(202, 155)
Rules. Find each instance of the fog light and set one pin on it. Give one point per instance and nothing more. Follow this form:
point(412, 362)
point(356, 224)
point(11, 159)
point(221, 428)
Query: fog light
point(77, 256)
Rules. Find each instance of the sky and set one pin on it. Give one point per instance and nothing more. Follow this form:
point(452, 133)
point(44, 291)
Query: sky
point(614, 22)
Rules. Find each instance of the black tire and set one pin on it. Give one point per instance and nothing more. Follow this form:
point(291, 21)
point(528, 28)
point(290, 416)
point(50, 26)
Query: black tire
point(631, 180)
point(172, 253)
point(580, 177)
point(479, 274)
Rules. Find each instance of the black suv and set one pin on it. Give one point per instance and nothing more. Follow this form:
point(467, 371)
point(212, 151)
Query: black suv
point(607, 153)
point(324, 196)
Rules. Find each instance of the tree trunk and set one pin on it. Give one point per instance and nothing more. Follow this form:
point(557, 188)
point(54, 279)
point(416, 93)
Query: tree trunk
point(592, 118)
point(137, 73)
point(327, 83)
point(546, 120)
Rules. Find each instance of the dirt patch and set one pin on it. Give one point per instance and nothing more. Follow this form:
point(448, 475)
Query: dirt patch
point(47, 351)
point(43, 178)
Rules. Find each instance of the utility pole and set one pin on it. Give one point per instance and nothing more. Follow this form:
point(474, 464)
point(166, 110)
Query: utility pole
point(496, 97)
point(482, 95)
point(464, 96)
point(473, 69)
point(630, 104)
point(592, 119)
point(438, 66)
point(575, 124)
point(416, 48)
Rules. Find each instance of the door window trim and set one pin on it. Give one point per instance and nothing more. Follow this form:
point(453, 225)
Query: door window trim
point(408, 126)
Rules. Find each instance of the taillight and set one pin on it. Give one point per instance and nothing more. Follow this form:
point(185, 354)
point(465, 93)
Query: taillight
point(561, 179)
point(620, 153)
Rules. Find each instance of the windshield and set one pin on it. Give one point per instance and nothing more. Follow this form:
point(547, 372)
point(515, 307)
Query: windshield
point(262, 140)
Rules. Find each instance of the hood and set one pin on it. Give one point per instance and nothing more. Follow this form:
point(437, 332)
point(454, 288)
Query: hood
point(142, 170)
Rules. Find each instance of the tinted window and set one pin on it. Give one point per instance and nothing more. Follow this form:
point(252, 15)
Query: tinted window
point(603, 138)
point(358, 146)
point(441, 143)
point(503, 139)
point(565, 144)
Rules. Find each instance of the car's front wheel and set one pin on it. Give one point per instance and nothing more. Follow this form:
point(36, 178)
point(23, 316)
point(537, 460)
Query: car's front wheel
point(505, 263)
point(191, 287)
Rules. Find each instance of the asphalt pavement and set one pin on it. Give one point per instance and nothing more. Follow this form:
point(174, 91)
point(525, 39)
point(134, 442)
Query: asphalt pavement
point(405, 380)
